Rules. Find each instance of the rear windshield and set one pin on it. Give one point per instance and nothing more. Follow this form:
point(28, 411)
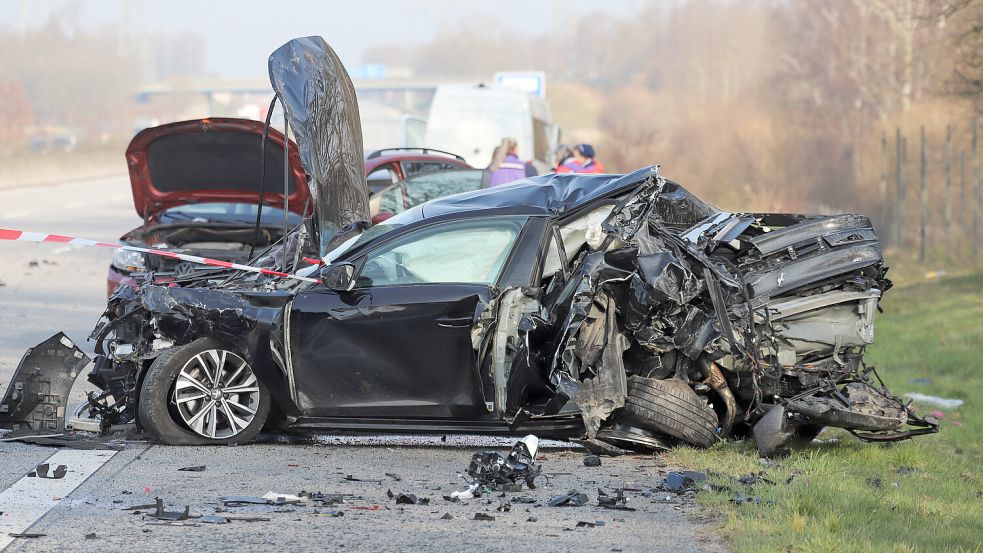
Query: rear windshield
point(215, 212)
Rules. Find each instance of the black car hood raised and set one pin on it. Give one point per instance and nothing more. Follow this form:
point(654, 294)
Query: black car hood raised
point(319, 101)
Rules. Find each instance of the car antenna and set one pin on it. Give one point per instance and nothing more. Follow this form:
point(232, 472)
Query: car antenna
point(262, 174)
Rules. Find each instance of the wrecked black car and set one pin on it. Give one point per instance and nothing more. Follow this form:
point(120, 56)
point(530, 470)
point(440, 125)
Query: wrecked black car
point(619, 310)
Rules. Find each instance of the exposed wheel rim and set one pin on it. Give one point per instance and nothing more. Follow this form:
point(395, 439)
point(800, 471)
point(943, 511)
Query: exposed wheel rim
point(216, 394)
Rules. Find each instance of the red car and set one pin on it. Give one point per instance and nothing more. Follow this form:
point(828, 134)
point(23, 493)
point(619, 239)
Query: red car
point(195, 184)
point(386, 167)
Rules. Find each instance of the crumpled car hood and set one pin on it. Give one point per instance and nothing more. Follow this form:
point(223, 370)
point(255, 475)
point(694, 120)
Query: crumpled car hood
point(319, 100)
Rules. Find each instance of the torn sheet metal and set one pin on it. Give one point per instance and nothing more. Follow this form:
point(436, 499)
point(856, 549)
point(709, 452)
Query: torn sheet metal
point(37, 394)
point(601, 346)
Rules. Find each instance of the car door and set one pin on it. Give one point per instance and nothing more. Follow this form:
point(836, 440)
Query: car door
point(399, 344)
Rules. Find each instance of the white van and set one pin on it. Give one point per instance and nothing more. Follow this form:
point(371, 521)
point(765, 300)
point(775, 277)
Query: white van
point(472, 120)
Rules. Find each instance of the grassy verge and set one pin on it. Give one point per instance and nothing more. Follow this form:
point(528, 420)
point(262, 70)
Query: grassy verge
point(839, 494)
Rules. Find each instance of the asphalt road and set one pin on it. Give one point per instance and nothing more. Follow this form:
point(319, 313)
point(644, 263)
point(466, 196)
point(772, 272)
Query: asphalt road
point(51, 287)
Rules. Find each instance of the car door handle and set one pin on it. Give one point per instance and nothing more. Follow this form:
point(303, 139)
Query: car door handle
point(455, 322)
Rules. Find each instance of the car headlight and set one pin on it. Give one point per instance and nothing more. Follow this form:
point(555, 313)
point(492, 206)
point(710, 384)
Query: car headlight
point(127, 260)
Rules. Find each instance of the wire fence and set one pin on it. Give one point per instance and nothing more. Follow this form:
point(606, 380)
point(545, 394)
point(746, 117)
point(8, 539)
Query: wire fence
point(930, 196)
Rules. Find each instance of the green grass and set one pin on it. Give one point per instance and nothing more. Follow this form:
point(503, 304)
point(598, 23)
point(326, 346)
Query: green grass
point(929, 330)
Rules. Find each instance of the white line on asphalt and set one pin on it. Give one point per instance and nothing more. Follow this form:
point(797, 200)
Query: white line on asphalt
point(30, 498)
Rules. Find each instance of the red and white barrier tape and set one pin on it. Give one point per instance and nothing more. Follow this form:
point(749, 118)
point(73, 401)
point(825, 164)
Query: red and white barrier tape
point(24, 236)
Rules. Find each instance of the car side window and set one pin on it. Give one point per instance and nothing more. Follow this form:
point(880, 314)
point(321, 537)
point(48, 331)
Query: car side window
point(426, 187)
point(470, 252)
point(411, 168)
point(381, 178)
point(393, 200)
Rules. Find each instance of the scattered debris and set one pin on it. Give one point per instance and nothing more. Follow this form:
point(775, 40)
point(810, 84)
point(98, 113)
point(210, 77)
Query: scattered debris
point(483, 516)
point(905, 470)
point(213, 519)
point(944, 403)
point(326, 499)
point(489, 468)
point(27, 535)
point(752, 478)
point(532, 519)
point(617, 501)
point(91, 536)
point(680, 482)
point(874, 482)
point(472, 492)
point(592, 461)
point(283, 498)
point(741, 499)
point(199, 468)
point(586, 524)
point(447, 516)
point(161, 514)
point(573, 498)
point(270, 498)
point(407, 499)
point(41, 471)
point(394, 476)
point(350, 478)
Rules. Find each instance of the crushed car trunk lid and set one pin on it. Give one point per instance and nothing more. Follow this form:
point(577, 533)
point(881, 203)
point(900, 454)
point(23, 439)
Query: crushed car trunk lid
point(211, 160)
point(319, 100)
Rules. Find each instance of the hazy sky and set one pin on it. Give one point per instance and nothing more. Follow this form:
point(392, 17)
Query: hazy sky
point(240, 34)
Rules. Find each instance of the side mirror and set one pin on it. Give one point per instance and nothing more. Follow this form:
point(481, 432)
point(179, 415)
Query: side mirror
point(339, 277)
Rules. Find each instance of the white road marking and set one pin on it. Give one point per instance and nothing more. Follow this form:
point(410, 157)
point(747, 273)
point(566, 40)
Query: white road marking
point(29, 499)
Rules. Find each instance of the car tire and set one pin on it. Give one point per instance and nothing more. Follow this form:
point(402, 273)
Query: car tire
point(670, 406)
point(165, 409)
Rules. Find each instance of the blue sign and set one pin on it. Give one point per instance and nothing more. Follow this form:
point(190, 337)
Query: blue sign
point(533, 82)
point(368, 71)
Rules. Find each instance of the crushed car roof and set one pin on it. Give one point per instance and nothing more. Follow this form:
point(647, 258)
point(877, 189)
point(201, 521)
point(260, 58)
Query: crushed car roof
point(554, 194)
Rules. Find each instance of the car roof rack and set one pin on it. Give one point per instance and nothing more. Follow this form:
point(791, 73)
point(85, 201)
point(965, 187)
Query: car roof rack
point(424, 151)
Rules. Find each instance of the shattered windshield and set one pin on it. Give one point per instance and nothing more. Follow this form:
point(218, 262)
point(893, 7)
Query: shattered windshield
point(677, 206)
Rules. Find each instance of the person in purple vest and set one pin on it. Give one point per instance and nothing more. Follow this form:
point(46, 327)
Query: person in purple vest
point(506, 165)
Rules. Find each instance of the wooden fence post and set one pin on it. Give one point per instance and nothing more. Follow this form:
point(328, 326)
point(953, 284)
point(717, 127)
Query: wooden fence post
point(922, 197)
point(899, 186)
point(946, 203)
point(882, 190)
point(963, 207)
point(976, 195)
